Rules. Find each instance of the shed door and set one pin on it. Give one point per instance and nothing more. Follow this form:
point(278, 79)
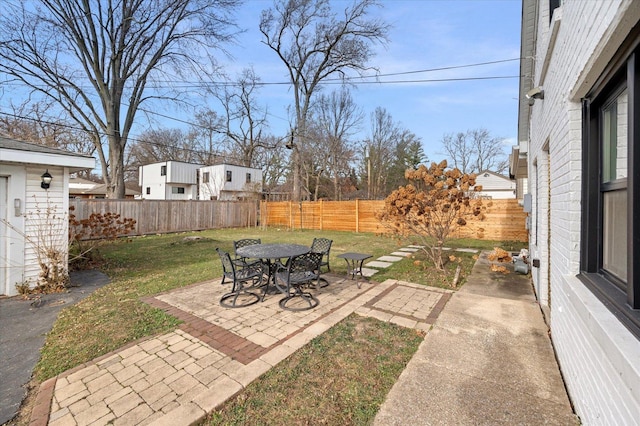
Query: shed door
point(4, 237)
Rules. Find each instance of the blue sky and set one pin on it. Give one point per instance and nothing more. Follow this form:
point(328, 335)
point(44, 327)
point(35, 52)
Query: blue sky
point(425, 34)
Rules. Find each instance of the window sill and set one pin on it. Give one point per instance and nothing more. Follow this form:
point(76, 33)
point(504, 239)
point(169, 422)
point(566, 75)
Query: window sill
point(614, 300)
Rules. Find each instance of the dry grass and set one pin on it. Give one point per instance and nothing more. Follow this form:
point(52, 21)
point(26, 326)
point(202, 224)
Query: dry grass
point(339, 378)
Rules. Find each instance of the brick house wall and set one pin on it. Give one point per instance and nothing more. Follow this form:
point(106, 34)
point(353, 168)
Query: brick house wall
point(598, 355)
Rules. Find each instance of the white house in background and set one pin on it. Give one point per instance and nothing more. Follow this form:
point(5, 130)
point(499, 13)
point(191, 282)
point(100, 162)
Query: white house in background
point(23, 201)
point(229, 182)
point(579, 148)
point(176, 180)
point(169, 180)
point(495, 186)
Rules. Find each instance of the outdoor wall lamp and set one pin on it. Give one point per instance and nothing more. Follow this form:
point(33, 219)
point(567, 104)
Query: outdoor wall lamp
point(533, 94)
point(46, 180)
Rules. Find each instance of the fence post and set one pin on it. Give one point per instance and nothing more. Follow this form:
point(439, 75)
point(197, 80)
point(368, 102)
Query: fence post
point(357, 215)
point(321, 213)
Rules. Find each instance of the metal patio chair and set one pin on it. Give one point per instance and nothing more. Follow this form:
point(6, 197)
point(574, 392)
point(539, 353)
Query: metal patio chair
point(294, 276)
point(243, 278)
point(323, 246)
point(243, 261)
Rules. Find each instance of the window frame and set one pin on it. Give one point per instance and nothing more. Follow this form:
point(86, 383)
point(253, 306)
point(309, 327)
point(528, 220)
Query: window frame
point(148, 191)
point(228, 176)
point(622, 298)
point(178, 190)
point(205, 177)
point(248, 178)
point(163, 170)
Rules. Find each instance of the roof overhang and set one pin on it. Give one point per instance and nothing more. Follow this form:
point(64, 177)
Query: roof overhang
point(12, 151)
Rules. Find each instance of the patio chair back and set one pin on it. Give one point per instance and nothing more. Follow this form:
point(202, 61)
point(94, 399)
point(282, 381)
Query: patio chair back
point(243, 278)
point(243, 261)
point(298, 271)
point(322, 246)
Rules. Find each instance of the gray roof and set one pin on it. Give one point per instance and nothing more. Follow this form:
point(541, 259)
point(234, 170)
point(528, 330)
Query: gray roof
point(17, 145)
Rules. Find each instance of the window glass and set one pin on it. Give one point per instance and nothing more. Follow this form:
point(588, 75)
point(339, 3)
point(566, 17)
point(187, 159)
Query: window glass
point(614, 139)
point(248, 177)
point(205, 177)
point(177, 190)
point(614, 233)
point(148, 190)
point(228, 175)
point(163, 170)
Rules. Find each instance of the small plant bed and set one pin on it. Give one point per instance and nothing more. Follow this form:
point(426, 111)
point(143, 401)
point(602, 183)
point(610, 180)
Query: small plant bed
point(339, 378)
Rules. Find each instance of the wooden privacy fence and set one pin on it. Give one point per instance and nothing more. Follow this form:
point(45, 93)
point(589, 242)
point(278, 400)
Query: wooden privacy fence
point(504, 219)
point(160, 216)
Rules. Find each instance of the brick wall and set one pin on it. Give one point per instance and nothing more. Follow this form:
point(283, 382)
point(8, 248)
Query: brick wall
point(599, 357)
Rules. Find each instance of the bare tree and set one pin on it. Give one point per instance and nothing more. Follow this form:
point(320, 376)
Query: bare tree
point(273, 160)
point(157, 145)
point(207, 136)
point(245, 121)
point(475, 151)
point(380, 151)
point(95, 58)
point(337, 118)
point(315, 43)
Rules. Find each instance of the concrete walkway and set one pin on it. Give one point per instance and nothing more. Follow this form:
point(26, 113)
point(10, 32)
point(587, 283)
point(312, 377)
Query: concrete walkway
point(487, 359)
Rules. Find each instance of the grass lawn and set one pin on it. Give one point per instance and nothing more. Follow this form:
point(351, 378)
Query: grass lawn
point(142, 266)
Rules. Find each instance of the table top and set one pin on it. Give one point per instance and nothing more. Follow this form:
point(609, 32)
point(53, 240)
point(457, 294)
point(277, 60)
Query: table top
point(354, 256)
point(272, 251)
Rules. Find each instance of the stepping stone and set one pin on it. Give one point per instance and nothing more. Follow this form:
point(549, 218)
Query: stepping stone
point(416, 247)
point(467, 250)
point(409, 249)
point(367, 272)
point(446, 248)
point(378, 264)
point(389, 258)
point(401, 253)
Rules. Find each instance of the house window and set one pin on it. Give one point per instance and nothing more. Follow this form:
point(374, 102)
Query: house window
point(228, 175)
point(248, 177)
point(177, 190)
point(163, 170)
point(609, 236)
point(205, 177)
point(148, 190)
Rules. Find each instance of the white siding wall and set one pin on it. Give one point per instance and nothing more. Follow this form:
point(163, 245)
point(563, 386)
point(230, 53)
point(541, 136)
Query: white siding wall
point(178, 175)
point(46, 217)
point(599, 358)
point(219, 188)
point(496, 186)
point(150, 178)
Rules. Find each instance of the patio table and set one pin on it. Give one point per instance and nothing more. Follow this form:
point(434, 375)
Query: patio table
point(354, 264)
point(270, 254)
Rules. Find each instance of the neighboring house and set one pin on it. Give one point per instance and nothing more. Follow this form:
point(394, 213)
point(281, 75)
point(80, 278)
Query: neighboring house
point(30, 213)
point(175, 180)
point(169, 180)
point(83, 188)
point(495, 186)
point(229, 182)
point(578, 147)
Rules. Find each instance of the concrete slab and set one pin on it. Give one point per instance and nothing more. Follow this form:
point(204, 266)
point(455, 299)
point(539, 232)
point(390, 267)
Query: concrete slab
point(467, 250)
point(368, 272)
point(390, 258)
point(401, 253)
point(487, 360)
point(378, 264)
point(409, 249)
